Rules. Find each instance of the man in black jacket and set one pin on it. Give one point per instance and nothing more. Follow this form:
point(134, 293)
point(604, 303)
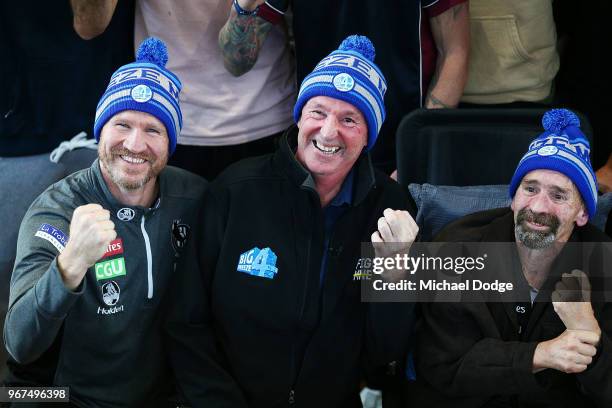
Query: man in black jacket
point(270, 313)
point(548, 352)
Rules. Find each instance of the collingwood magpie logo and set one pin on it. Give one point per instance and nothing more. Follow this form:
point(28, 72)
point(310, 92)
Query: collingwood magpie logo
point(110, 293)
point(126, 214)
point(180, 234)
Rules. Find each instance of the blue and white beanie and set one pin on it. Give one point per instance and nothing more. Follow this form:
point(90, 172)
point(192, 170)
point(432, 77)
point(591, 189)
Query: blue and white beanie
point(349, 74)
point(145, 86)
point(563, 148)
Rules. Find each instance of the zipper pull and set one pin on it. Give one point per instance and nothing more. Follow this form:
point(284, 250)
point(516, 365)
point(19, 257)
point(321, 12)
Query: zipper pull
point(291, 397)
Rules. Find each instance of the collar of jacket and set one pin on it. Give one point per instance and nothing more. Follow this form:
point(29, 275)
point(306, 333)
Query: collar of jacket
point(284, 158)
point(102, 190)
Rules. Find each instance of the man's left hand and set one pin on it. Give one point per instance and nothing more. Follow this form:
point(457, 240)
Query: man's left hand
point(572, 302)
point(396, 232)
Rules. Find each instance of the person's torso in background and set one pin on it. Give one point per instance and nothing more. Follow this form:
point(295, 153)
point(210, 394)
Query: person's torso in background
point(513, 55)
point(218, 108)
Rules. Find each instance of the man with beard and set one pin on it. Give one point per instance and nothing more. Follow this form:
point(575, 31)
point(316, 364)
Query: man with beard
point(551, 350)
point(96, 251)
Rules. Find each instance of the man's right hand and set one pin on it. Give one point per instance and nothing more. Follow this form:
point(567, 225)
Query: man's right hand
point(91, 230)
point(571, 352)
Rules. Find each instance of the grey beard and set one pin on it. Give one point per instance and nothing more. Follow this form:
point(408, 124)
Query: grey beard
point(534, 239)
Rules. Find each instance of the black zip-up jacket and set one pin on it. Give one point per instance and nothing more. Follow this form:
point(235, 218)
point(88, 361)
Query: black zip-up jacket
point(472, 355)
point(240, 340)
point(109, 341)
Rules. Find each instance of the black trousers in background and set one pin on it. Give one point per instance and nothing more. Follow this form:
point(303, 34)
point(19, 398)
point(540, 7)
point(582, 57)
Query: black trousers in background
point(209, 161)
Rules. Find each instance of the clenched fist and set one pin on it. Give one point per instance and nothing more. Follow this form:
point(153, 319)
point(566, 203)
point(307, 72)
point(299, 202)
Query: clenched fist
point(396, 233)
point(571, 301)
point(91, 230)
point(571, 352)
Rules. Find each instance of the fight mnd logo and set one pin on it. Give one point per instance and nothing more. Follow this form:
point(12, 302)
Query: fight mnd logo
point(258, 262)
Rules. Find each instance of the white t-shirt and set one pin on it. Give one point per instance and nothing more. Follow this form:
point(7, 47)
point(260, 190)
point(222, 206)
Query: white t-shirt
point(218, 108)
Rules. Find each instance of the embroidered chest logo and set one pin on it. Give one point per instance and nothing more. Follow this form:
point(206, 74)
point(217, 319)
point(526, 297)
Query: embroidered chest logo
point(126, 214)
point(363, 269)
point(110, 293)
point(53, 235)
point(110, 269)
point(180, 234)
point(114, 248)
point(258, 262)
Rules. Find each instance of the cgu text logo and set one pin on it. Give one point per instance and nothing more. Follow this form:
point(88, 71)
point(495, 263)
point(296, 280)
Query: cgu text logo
point(110, 269)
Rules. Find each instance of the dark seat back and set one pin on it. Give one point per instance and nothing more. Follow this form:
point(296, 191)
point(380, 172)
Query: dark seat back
point(462, 147)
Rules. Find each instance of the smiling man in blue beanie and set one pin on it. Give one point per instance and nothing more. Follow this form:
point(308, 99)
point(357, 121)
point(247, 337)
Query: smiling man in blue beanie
point(269, 313)
point(551, 350)
point(97, 250)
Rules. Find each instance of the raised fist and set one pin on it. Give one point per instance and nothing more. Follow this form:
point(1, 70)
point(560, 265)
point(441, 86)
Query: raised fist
point(396, 233)
point(572, 302)
point(91, 230)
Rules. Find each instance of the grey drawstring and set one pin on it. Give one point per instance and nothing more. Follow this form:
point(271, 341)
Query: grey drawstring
point(79, 140)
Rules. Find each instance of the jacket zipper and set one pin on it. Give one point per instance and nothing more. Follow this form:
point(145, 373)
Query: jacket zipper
point(291, 397)
point(149, 258)
point(294, 373)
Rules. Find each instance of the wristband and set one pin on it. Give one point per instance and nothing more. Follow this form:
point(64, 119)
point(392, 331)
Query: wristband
point(243, 12)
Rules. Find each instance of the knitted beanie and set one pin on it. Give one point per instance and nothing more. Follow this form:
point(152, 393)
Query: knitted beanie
point(145, 86)
point(563, 148)
point(349, 74)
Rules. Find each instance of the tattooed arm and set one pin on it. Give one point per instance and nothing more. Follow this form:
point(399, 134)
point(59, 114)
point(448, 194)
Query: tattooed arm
point(451, 33)
point(241, 38)
point(91, 17)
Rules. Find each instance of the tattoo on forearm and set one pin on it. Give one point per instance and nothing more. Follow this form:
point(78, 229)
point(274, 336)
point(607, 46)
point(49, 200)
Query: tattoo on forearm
point(435, 102)
point(240, 40)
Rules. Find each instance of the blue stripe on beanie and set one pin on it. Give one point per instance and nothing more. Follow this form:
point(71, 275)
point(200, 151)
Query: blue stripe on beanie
point(145, 86)
point(563, 148)
point(349, 74)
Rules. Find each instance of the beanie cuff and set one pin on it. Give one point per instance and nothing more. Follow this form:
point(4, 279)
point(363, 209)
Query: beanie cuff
point(343, 96)
point(151, 108)
point(578, 178)
point(350, 75)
